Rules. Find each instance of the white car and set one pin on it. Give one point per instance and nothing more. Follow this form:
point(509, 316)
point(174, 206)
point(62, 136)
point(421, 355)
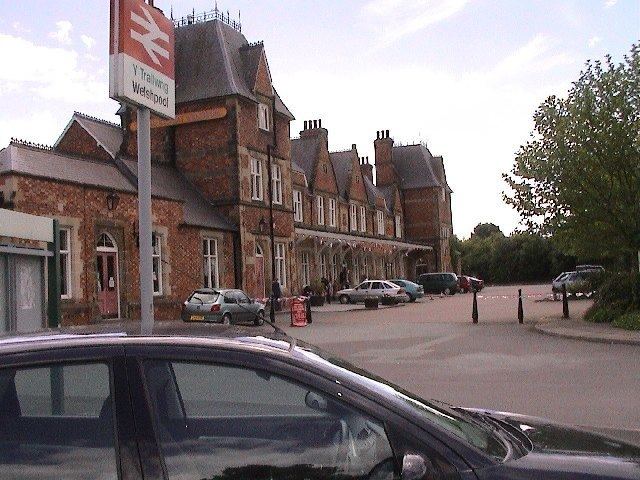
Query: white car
point(373, 288)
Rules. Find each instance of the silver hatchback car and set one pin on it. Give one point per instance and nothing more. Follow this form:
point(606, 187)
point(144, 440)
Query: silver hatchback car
point(224, 306)
point(373, 288)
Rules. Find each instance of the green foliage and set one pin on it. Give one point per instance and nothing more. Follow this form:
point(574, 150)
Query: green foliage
point(521, 257)
point(485, 230)
point(317, 288)
point(617, 295)
point(577, 177)
point(628, 321)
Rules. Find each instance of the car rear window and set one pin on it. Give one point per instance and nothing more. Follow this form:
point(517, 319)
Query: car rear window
point(200, 297)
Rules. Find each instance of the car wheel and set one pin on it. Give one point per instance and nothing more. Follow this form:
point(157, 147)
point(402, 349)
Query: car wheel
point(259, 319)
point(447, 291)
point(412, 298)
point(344, 299)
point(226, 319)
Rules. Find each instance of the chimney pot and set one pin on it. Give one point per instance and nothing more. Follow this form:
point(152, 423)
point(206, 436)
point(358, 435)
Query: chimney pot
point(315, 124)
point(353, 146)
point(319, 123)
point(378, 135)
point(387, 134)
point(305, 125)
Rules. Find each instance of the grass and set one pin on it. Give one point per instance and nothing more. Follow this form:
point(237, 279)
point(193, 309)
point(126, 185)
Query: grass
point(628, 321)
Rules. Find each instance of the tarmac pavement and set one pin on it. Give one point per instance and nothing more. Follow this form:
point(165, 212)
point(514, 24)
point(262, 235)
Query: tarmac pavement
point(432, 348)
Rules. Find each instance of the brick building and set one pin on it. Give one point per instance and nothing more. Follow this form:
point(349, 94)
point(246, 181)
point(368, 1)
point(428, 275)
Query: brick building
point(210, 201)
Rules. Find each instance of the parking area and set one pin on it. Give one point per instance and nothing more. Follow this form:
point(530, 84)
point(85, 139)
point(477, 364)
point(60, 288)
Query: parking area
point(432, 348)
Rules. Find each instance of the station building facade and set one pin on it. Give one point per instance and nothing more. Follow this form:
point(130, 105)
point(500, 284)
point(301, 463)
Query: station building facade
point(210, 193)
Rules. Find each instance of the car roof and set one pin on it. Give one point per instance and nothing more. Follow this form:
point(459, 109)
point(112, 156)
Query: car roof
point(120, 332)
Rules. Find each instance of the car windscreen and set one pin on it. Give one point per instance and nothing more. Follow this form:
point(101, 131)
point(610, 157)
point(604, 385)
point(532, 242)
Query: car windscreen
point(202, 297)
point(480, 435)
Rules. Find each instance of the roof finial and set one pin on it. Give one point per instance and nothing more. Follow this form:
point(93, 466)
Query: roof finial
point(216, 7)
point(171, 12)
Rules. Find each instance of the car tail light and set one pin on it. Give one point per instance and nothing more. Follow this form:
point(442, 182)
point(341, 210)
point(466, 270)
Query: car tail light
point(215, 307)
point(401, 291)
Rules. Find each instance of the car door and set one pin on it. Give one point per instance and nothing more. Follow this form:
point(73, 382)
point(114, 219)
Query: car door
point(361, 292)
point(376, 289)
point(66, 413)
point(246, 310)
point(240, 415)
point(231, 305)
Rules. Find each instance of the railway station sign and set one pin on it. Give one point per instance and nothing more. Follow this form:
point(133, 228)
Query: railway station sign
point(141, 57)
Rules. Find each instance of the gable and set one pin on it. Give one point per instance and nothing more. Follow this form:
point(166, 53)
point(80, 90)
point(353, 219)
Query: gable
point(357, 190)
point(75, 140)
point(324, 178)
point(263, 83)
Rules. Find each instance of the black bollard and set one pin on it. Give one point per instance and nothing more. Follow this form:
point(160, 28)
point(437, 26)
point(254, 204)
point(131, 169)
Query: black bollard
point(474, 313)
point(520, 312)
point(565, 302)
point(308, 302)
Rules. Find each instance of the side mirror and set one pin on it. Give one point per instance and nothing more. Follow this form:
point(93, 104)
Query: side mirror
point(416, 467)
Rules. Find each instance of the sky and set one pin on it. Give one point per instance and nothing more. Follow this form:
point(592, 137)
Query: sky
point(462, 76)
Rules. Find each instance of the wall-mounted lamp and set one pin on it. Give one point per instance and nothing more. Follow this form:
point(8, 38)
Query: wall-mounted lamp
point(262, 225)
point(112, 200)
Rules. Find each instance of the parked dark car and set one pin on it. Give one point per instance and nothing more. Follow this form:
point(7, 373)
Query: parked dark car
point(446, 283)
point(414, 290)
point(195, 401)
point(464, 284)
point(222, 306)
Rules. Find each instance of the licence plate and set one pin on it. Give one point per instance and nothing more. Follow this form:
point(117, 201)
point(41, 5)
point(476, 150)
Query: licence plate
point(197, 317)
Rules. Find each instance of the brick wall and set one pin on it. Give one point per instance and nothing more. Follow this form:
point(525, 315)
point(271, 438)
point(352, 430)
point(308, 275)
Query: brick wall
point(76, 141)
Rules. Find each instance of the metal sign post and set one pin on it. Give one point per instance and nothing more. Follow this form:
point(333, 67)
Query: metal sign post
point(142, 73)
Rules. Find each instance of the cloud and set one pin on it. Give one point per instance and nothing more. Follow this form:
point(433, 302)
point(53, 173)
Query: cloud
point(593, 41)
point(532, 57)
point(610, 3)
point(88, 41)
point(18, 27)
point(398, 18)
point(64, 28)
point(50, 72)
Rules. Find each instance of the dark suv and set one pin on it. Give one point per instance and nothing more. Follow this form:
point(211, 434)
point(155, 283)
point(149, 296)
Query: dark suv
point(446, 283)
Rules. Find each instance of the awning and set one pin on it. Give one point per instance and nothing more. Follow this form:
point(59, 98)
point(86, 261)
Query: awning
point(342, 237)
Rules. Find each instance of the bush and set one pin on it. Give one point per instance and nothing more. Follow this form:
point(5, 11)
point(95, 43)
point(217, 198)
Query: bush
point(628, 321)
point(617, 295)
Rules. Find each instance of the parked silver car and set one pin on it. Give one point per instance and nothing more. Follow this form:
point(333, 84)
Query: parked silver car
point(373, 288)
point(225, 306)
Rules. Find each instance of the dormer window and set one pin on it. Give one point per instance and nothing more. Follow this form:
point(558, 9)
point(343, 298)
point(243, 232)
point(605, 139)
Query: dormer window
point(263, 117)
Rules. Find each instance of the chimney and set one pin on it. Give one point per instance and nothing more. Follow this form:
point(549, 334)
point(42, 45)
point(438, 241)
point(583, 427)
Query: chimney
point(313, 128)
point(385, 172)
point(367, 168)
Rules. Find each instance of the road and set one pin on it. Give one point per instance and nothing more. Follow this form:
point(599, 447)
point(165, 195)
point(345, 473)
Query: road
point(432, 348)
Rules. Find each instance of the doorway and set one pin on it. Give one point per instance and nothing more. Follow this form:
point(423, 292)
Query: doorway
point(107, 276)
point(259, 273)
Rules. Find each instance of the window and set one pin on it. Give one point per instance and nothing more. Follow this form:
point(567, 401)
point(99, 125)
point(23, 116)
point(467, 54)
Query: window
point(210, 266)
point(304, 259)
point(332, 212)
point(281, 270)
point(320, 208)
point(365, 267)
point(256, 179)
point(323, 266)
point(356, 271)
point(156, 256)
point(263, 116)
point(65, 263)
point(363, 219)
point(57, 422)
point(276, 184)
point(354, 217)
point(334, 267)
point(245, 423)
point(380, 222)
point(398, 226)
point(297, 206)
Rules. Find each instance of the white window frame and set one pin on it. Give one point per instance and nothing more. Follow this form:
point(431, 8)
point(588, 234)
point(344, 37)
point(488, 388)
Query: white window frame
point(304, 260)
point(65, 259)
point(332, 212)
point(320, 209)
point(156, 259)
point(323, 266)
point(276, 184)
point(256, 179)
point(210, 262)
point(354, 217)
point(297, 206)
point(263, 117)
point(281, 264)
point(363, 219)
point(334, 267)
point(380, 215)
point(398, 226)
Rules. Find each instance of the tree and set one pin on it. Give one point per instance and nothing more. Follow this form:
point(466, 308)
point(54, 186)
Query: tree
point(578, 177)
point(485, 230)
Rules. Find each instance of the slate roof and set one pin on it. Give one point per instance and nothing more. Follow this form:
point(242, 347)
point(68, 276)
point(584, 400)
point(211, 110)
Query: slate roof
point(215, 60)
point(107, 134)
point(418, 168)
point(374, 192)
point(17, 158)
point(342, 166)
point(304, 154)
